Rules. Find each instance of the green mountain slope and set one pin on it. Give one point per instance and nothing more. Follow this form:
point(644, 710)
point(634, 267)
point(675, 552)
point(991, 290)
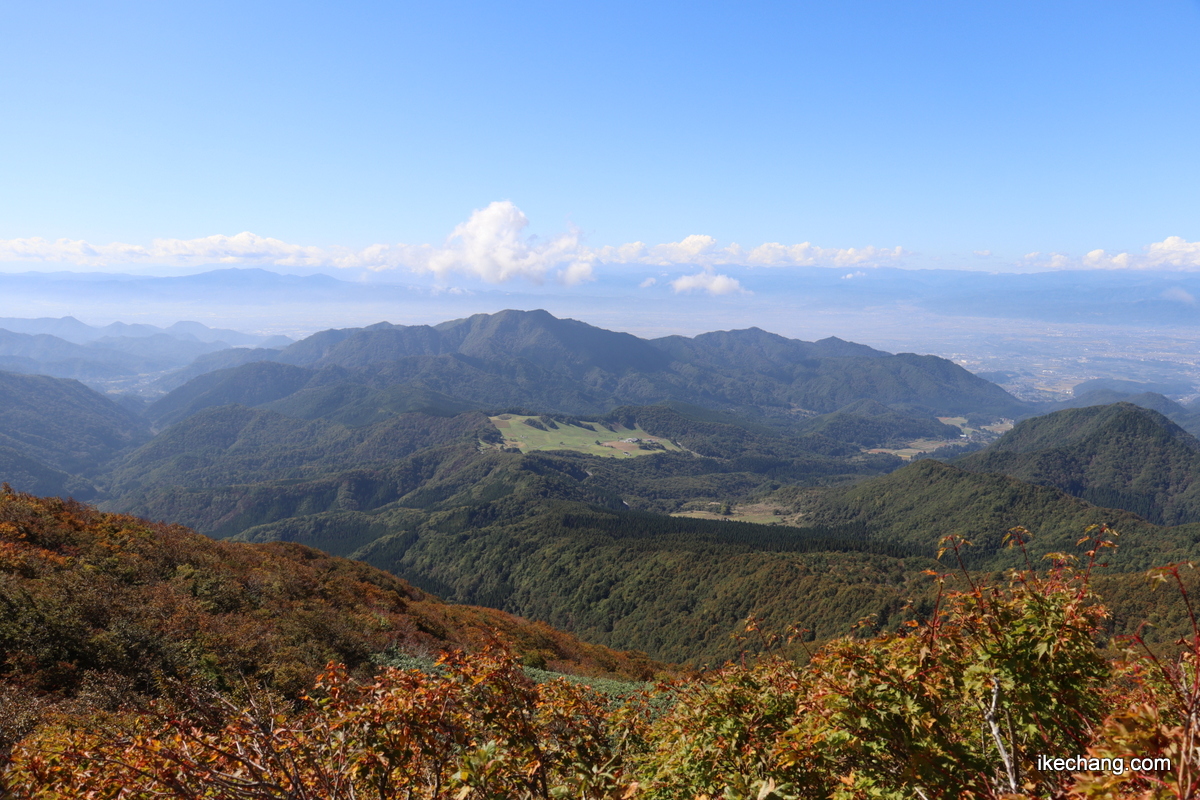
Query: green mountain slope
point(62, 424)
point(249, 385)
point(530, 359)
point(926, 500)
point(564, 537)
point(229, 468)
point(1119, 456)
point(560, 345)
point(868, 423)
point(238, 445)
point(679, 589)
point(756, 349)
point(29, 474)
point(1107, 392)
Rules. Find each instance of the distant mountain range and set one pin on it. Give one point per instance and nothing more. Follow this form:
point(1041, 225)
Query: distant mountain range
point(533, 360)
point(72, 330)
point(1112, 297)
point(116, 353)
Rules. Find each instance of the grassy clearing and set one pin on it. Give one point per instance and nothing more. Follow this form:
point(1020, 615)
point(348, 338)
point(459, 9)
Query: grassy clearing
point(988, 432)
point(760, 513)
point(595, 440)
point(1003, 426)
point(915, 447)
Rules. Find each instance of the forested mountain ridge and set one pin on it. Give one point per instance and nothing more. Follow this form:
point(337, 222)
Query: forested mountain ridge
point(229, 468)
point(1118, 456)
point(233, 444)
point(563, 345)
point(548, 535)
point(253, 384)
point(1109, 392)
point(532, 359)
point(920, 503)
point(55, 433)
point(757, 349)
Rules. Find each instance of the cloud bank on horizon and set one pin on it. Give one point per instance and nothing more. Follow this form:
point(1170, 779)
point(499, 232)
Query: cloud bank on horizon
point(492, 246)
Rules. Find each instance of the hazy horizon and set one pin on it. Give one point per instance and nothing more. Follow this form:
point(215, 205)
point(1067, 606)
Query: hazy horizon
point(566, 146)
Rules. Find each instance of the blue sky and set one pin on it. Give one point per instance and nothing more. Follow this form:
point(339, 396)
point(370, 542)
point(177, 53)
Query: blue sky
point(969, 135)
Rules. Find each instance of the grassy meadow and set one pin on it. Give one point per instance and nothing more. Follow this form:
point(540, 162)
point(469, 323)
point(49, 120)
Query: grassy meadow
point(592, 438)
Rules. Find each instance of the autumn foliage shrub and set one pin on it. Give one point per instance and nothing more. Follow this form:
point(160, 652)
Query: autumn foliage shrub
point(956, 706)
point(103, 612)
point(962, 705)
point(476, 727)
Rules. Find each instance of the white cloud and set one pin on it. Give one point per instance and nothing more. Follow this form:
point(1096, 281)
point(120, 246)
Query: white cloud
point(646, 284)
point(704, 251)
point(1171, 254)
point(774, 254)
point(709, 282)
point(1098, 259)
point(851, 275)
point(1174, 251)
point(490, 246)
point(631, 253)
point(240, 249)
point(1047, 261)
point(694, 249)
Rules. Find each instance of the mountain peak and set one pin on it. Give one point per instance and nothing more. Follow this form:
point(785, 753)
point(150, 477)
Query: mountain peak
point(1072, 425)
point(1117, 456)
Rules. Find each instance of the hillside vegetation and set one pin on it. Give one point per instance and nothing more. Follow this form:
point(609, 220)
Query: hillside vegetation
point(527, 433)
point(1119, 456)
point(532, 360)
point(396, 494)
point(103, 610)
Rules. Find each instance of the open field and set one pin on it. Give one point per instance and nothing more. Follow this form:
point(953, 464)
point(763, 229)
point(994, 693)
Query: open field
point(761, 513)
point(984, 433)
point(524, 433)
point(915, 447)
point(1000, 427)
